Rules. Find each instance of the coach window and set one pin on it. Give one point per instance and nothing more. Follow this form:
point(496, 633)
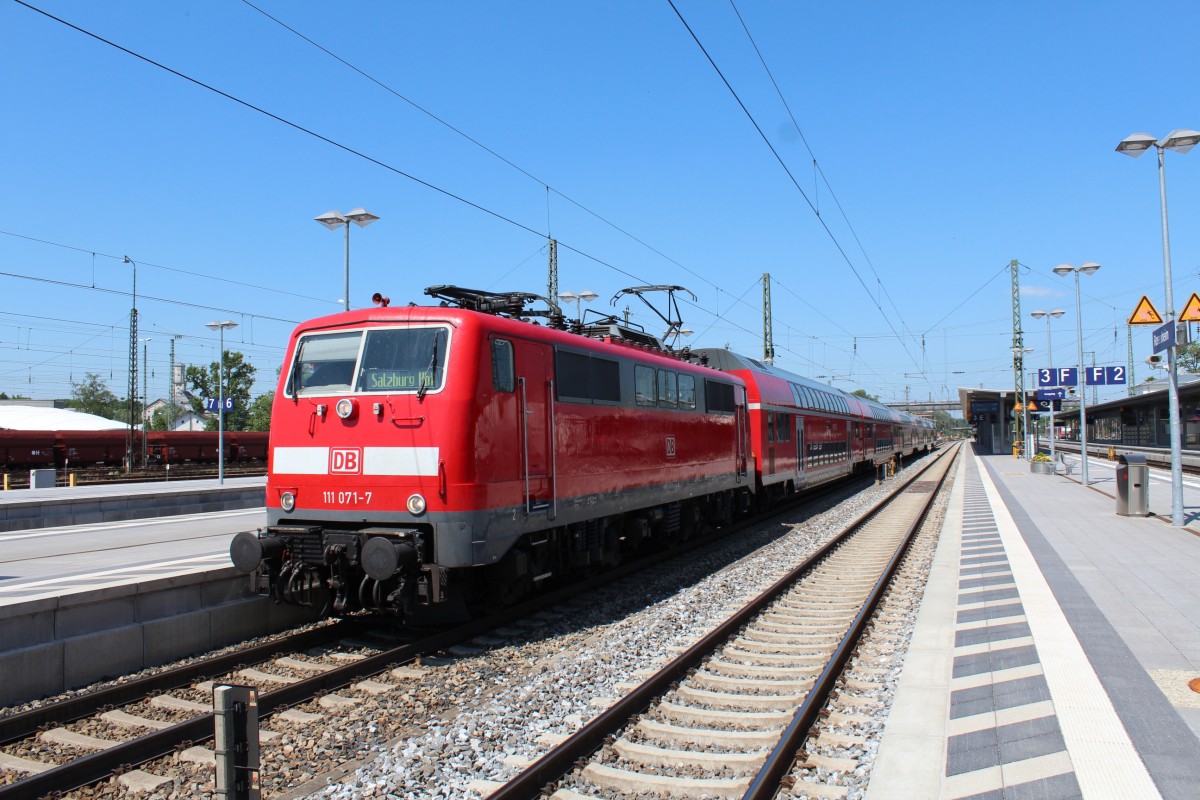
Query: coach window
point(770, 426)
point(503, 373)
point(687, 391)
point(325, 363)
point(668, 388)
point(644, 385)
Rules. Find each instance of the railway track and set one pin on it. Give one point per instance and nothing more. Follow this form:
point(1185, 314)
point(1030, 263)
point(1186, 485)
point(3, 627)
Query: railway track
point(92, 476)
point(729, 716)
point(61, 746)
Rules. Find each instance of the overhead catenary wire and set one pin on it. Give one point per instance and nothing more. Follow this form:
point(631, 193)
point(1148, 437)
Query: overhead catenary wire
point(526, 228)
point(820, 220)
point(177, 270)
point(817, 169)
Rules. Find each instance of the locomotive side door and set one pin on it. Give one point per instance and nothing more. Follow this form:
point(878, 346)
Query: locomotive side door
point(535, 400)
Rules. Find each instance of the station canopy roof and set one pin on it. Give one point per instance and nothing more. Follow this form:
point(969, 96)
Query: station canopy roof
point(33, 418)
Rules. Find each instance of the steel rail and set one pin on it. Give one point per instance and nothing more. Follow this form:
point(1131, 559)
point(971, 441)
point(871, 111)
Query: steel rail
point(560, 760)
point(96, 766)
point(766, 783)
point(26, 723)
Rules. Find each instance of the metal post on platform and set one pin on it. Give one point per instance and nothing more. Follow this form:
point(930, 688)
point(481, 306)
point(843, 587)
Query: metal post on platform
point(1048, 315)
point(1087, 268)
point(221, 326)
point(235, 713)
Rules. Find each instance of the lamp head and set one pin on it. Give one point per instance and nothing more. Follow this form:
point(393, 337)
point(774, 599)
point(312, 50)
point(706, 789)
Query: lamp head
point(1181, 140)
point(1089, 267)
point(1135, 144)
point(1037, 314)
point(1056, 313)
point(360, 217)
point(332, 220)
point(1063, 270)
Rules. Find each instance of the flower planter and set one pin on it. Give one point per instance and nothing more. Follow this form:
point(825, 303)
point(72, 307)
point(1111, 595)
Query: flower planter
point(1041, 467)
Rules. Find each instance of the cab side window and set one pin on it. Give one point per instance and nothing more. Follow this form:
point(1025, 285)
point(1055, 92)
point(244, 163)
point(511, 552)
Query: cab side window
point(503, 371)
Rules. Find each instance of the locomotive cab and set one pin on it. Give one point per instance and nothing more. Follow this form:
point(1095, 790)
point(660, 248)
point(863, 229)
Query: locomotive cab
point(357, 467)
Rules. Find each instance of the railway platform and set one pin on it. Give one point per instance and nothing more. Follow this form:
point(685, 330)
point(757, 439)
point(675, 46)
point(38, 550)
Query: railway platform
point(144, 579)
point(22, 509)
point(1054, 648)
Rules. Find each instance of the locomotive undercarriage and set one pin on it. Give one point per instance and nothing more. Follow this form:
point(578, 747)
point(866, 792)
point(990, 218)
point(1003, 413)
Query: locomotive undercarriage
point(394, 571)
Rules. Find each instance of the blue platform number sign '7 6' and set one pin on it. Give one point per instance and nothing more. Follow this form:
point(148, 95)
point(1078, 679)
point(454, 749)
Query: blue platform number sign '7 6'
point(211, 403)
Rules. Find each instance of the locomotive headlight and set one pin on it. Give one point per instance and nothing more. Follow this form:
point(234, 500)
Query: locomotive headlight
point(416, 505)
point(346, 408)
point(287, 500)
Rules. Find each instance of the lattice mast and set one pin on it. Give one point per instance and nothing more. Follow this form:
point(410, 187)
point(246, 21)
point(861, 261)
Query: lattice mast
point(1018, 347)
point(768, 335)
point(133, 385)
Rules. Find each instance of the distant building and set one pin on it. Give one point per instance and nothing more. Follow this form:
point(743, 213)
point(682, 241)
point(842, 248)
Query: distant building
point(187, 420)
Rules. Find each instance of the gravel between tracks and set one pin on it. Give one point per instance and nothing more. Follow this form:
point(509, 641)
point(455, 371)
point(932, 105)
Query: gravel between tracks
point(483, 712)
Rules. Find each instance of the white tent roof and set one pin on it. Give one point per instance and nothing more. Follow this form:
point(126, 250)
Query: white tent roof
point(34, 418)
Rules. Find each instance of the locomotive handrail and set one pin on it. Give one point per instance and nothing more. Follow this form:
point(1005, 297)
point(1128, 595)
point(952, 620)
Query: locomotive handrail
point(525, 442)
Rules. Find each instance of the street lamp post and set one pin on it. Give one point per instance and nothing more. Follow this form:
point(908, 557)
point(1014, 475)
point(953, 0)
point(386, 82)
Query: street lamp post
point(1048, 315)
point(334, 219)
point(1181, 141)
point(221, 326)
point(1020, 352)
point(1087, 268)
point(586, 296)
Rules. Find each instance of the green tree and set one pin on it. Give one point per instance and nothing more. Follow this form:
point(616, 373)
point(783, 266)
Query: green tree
point(863, 393)
point(92, 396)
point(1187, 358)
point(239, 377)
point(260, 412)
point(944, 422)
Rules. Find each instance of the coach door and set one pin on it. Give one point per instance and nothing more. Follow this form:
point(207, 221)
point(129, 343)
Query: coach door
point(536, 399)
point(743, 431)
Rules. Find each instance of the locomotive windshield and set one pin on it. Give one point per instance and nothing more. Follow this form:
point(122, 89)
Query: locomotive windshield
point(376, 360)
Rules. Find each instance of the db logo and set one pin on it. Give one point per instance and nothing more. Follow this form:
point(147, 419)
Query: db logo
point(670, 447)
point(345, 460)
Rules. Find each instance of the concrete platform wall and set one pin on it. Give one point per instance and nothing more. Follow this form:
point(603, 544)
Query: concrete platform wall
point(50, 645)
point(40, 513)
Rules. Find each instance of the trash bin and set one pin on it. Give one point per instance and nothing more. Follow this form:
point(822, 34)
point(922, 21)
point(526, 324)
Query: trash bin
point(1133, 485)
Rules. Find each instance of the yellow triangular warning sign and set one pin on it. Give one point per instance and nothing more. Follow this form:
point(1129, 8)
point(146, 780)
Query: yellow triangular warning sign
point(1191, 312)
point(1145, 313)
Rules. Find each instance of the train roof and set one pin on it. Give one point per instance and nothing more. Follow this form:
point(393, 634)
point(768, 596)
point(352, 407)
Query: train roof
point(727, 360)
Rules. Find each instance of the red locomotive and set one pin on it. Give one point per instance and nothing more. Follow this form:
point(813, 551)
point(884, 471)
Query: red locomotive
point(426, 460)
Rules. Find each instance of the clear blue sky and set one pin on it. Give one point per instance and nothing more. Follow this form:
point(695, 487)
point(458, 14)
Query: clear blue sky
point(955, 136)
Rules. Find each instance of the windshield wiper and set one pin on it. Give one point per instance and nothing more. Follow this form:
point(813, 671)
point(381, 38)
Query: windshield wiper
point(423, 388)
